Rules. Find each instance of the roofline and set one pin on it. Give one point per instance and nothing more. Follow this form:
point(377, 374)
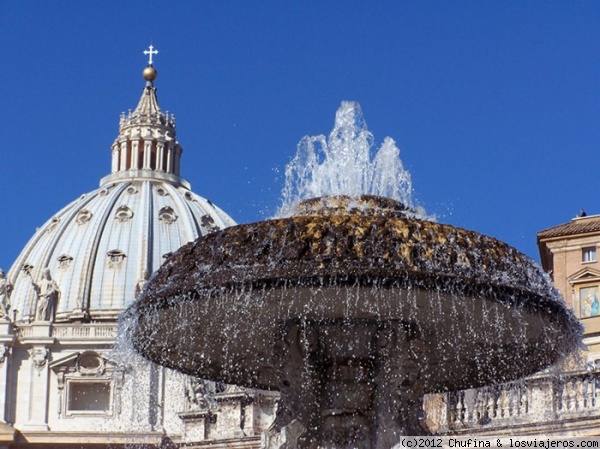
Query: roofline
point(539, 237)
point(585, 217)
point(563, 236)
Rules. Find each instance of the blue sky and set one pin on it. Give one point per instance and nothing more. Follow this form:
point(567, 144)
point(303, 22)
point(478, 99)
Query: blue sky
point(495, 105)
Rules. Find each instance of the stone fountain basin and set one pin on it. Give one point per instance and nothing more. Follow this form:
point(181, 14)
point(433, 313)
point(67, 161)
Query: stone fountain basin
point(481, 311)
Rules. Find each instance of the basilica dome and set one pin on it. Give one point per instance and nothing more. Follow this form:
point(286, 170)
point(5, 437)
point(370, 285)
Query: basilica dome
point(101, 248)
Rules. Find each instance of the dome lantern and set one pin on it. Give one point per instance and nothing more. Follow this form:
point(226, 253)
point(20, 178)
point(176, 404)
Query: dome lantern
point(146, 146)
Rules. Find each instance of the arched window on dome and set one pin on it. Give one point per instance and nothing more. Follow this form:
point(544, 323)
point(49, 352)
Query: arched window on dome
point(167, 215)
point(208, 223)
point(123, 214)
point(115, 258)
point(83, 217)
point(64, 261)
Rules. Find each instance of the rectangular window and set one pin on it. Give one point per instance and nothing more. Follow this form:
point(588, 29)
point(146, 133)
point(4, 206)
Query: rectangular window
point(589, 302)
point(89, 397)
point(588, 254)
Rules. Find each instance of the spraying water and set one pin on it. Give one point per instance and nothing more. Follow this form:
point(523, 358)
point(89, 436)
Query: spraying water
point(345, 164)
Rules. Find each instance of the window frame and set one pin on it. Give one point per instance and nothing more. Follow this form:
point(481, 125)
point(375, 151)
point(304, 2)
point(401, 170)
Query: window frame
point(72, 381)
point(89, 367)
point(589, 254)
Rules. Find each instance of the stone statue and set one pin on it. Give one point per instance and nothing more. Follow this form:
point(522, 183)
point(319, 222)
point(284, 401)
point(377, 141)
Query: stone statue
point(48, 293)
point(200, 393)
point(5, 290)
point(196, 393)
point(141, 283)
point(287, 438)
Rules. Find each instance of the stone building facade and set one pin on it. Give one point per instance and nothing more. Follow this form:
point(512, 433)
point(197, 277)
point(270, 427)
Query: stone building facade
point(569, 252)
point(563, 401)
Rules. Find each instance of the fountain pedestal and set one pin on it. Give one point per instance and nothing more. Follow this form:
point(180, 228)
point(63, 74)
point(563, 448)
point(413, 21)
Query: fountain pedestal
point(348, 384)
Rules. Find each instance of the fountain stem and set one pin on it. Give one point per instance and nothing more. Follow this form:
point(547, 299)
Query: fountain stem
point(336, 379)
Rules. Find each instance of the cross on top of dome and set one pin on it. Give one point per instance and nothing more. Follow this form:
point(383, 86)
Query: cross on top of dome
point(150, 72)
point(150, 52)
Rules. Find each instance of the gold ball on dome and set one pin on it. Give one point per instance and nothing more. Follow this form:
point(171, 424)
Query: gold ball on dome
point(150, 73)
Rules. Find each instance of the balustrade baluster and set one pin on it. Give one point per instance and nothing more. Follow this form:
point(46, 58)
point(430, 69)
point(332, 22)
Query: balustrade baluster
point(491, 406)
point(459, 409)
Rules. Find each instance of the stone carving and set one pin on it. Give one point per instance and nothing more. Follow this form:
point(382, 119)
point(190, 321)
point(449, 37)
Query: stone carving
point(4, 353)
point(199, 393)
point(141, 283)
point(39, 357)
point(196, 393)
point(91, 363)
point(287, 438)
point(47, 292)
point(5, 290)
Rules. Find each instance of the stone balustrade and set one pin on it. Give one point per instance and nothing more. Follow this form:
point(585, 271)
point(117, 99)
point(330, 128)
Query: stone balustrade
point(85, 331)
point(102, 331)
point(529, 403)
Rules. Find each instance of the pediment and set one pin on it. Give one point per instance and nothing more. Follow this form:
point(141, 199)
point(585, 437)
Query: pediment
point(68, 361)
point(85, 362)
point(584, 275)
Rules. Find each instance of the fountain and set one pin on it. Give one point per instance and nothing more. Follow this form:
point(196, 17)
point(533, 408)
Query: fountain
point(351, 305)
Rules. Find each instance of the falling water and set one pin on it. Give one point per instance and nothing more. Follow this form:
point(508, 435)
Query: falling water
point(394, 307)
point(345, 164)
